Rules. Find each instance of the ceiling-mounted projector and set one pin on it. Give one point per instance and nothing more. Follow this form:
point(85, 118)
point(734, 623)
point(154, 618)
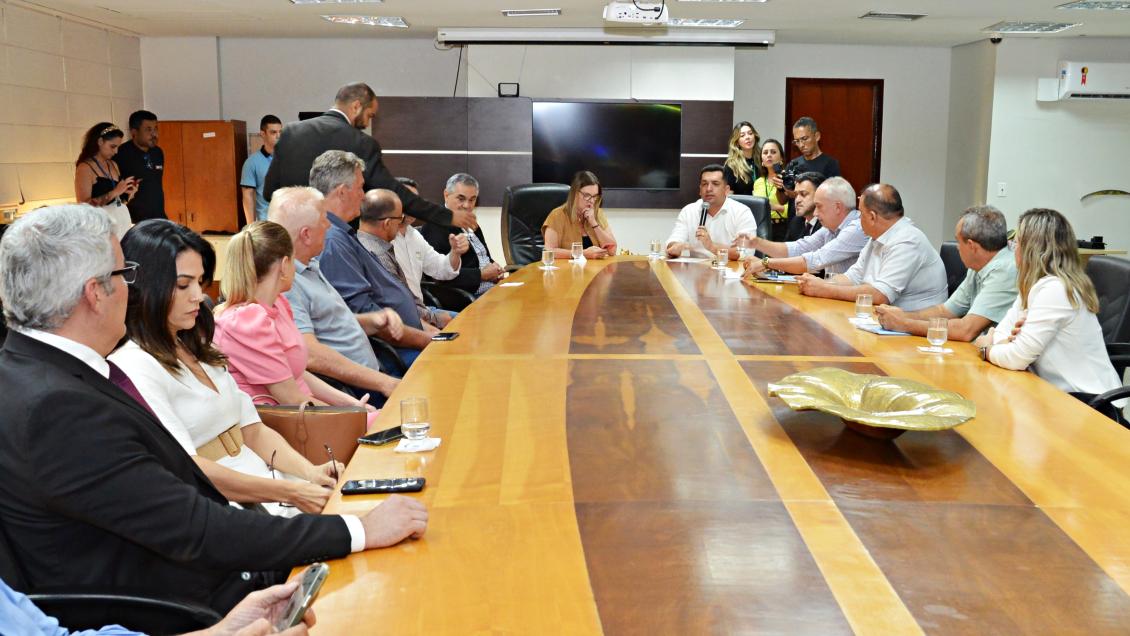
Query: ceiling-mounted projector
point(639, 13)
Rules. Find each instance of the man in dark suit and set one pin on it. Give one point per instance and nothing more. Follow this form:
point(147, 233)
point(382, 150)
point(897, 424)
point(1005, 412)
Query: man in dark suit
point(94, 491)
point(478, 272)
point(341, 128)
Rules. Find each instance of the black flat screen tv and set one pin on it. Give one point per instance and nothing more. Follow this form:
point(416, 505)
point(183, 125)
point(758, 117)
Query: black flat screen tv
point(627, 145)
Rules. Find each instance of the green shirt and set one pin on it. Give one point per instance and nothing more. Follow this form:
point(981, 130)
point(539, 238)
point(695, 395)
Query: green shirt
point(988, 292)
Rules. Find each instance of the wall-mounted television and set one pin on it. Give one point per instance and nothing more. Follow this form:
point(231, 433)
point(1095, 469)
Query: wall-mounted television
point(627, 145)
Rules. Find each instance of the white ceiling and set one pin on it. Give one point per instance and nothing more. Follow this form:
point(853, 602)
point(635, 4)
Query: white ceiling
point(949, 22)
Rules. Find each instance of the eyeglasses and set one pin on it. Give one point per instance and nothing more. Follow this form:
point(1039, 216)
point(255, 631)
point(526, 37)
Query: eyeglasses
point(271, 467)
point(398, 219)
point(128, 273)
point(801, 140)
point(589, 198)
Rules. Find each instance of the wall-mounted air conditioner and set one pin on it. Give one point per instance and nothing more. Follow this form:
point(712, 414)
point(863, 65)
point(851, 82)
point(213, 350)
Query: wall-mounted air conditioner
point(1087, 80)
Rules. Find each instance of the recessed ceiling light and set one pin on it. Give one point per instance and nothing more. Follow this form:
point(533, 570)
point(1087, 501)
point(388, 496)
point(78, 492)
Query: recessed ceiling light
point(337, 1)
point(1099, 5)
point(880, 15)
point(1029, 27)
point(529, 13)
point(704, 22)
point(367, 20)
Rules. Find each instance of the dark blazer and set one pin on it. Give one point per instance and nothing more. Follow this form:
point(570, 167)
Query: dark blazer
point(796, 229)
point(470, 269)
point(302, 142)
point(95, 492)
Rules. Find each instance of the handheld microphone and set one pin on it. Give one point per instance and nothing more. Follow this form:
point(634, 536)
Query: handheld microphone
point(702, 217)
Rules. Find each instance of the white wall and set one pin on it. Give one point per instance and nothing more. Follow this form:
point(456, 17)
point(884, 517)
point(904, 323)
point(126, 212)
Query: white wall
point(972, 74)
point(58, 78)
point(1049, 154)
point(915, 110)
point(181, 77)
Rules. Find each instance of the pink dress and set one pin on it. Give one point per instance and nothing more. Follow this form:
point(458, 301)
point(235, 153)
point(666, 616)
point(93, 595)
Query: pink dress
point(263, 346)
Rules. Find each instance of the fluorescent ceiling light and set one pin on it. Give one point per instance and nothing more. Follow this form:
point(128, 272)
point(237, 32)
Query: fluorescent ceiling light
point(529, 13)
point(1029, 27)
point(723, 0)
point(337, 1)
point(1099, 5)
point(367, 20)
point(903, 17)
point(633, 36)
point(704, 22)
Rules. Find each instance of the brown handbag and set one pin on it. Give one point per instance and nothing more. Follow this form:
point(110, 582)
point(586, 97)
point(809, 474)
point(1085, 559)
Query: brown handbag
point(309, 429)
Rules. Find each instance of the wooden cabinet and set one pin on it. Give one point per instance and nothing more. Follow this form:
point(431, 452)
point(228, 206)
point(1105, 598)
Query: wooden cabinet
point(203, 161)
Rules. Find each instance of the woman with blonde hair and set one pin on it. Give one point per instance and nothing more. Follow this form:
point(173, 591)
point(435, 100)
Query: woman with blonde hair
point(255, 326)
point(1051, 328)
point(743, 159)
point(580, 220)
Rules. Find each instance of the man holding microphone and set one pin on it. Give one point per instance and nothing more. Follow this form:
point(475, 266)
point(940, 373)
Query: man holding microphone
point(713, 222)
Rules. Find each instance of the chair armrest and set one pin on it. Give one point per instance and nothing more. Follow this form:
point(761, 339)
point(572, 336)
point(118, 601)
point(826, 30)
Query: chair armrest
point(513, 268)
point(81, 611)
point(449, 297)
point(391, 362)
point(1102, 400)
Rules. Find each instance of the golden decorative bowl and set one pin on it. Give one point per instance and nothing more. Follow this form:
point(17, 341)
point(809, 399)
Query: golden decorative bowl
point(874, 405)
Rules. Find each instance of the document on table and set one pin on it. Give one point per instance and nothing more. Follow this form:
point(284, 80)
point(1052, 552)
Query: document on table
point(511, 284)
point(687, 259)
point(775, 278)
point(872, 326)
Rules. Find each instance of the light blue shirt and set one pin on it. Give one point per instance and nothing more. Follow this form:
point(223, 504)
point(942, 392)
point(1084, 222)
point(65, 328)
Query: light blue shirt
point(254, 174)
point(18, 615)
point(320, 310)
point(989, 292)
point(833, 251)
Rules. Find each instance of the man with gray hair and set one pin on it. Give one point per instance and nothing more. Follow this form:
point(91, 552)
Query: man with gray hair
point(355, 273)
point(478, 272)
point(94, 491)
point(833, 248)
point(988, 290)
point(342, 128)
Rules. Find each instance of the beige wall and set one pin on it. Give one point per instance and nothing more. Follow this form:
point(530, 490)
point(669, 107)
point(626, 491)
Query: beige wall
point(57, 78)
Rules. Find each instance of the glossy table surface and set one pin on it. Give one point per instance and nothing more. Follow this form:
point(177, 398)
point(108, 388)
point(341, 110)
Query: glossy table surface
point(611, 463)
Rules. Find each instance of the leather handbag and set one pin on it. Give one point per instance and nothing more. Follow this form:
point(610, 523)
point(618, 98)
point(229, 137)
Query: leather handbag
point(309, 429)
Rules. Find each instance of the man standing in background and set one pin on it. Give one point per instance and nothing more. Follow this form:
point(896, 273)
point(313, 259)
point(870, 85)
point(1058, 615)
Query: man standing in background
point(255, 170)
point(140, 157)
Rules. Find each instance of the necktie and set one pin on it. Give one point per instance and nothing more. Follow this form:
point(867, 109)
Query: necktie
point(122, 381)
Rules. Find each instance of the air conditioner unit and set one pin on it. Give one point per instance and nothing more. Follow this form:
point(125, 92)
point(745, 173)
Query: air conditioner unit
point(1094, 80)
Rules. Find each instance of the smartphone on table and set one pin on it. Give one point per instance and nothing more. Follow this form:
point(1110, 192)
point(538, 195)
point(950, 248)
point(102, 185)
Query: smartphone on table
point(309, 584)
point(382, 437)
point(445, 336)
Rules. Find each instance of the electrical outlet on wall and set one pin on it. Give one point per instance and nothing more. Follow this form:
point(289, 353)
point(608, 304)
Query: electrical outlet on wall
point(1002, 189)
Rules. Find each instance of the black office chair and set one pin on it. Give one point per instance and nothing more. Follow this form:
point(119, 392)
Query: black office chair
point(387, 356)
point(760, 208)
point(524, 209)
point(91, 609)
point(1103, 403)
point(447, 296)
point(955, 269)
point(1111, 277)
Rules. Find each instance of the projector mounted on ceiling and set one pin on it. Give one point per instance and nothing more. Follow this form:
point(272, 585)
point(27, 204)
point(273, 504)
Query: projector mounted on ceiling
point(641, 13)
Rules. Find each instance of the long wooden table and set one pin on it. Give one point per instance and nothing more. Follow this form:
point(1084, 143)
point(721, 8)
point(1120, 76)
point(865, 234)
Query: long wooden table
point(611, 463)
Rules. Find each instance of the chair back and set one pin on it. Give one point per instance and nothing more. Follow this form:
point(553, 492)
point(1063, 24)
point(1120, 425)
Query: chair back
point(760, 208)
point(524, 209)
point(10, 570)
point(1111, 277)
point(955, 269)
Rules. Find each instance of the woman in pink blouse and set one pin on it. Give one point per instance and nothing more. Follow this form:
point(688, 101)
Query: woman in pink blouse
point(255, 327)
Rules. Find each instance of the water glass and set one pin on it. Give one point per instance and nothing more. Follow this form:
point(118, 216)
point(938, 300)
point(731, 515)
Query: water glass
point(547, 257)
point(578, 251)
point(863, 306)
point(720, 259)
point(414, 422)
point(656, 250)
point(746, 251)
point(937, 333)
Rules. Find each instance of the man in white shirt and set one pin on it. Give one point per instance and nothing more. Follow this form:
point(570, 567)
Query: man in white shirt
point(713, 222)
point(898, 266)
point(833, 248)
point(417, 257)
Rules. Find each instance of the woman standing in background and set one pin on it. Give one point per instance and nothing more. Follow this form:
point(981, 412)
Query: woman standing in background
point(743, 161)
point(97, 178)
point(772, 155)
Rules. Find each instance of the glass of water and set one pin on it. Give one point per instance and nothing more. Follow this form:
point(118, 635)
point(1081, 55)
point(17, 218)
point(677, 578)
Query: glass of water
point(720, 259)
point(414, 422)
point(937, 334)
point(547, 257)
point(656, 250)
point(578, 251)
point(863, 306)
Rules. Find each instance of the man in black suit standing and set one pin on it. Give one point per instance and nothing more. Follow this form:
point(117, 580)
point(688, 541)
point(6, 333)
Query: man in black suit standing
point(341, 128)
point(94, 491)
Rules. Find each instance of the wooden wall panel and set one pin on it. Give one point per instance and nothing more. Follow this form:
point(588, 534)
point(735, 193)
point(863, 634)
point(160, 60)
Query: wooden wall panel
point(421, 123)
point(172, 182)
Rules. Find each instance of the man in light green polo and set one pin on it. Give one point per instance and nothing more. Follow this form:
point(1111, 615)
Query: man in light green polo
point(988, 290)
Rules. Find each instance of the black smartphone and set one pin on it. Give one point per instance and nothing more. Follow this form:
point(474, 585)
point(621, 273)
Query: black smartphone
point(444, 336)
point(309, 584)
point(382, 486)
point(382, 437)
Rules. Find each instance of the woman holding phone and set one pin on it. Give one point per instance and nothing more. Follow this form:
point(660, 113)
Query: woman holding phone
point(97, 178)
point(580, 220)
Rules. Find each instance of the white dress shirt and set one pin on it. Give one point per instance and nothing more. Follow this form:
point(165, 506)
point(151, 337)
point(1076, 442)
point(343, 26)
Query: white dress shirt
point(732, 219)
point(830, 250)
point(1062, 344)
point(417, 257)
point(903, 266)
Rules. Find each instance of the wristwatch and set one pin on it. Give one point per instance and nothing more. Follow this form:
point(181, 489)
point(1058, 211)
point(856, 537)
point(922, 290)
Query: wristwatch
point(765, 262)
point(984, 351)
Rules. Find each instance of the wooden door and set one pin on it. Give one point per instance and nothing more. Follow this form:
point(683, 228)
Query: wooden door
point(169, 139)
point(849, 113)
point(211, 181)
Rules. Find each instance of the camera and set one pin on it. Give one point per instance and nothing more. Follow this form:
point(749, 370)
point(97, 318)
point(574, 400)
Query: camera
point(995, 39)
point(788, 175)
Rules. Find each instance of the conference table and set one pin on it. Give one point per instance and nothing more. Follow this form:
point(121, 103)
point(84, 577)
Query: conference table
point(611, 462)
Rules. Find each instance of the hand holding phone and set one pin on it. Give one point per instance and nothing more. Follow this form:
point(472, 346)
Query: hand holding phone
point(310, 583)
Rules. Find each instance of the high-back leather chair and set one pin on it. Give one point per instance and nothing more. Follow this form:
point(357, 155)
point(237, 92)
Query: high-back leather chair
point(524, 209)
point(1111, 277)
point(760, 208)
point(955, 269)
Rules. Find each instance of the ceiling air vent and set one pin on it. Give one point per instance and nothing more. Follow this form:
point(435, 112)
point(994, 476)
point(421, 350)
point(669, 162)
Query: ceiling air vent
point(899, 17)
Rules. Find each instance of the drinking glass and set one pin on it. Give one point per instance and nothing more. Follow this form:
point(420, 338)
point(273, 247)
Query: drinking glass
point(863, 306)
point(746, 250)
point(656, 250)
point(720, 259)
point(547, 259)
point(414, 421)
point(578, 251)
point(937, 334)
